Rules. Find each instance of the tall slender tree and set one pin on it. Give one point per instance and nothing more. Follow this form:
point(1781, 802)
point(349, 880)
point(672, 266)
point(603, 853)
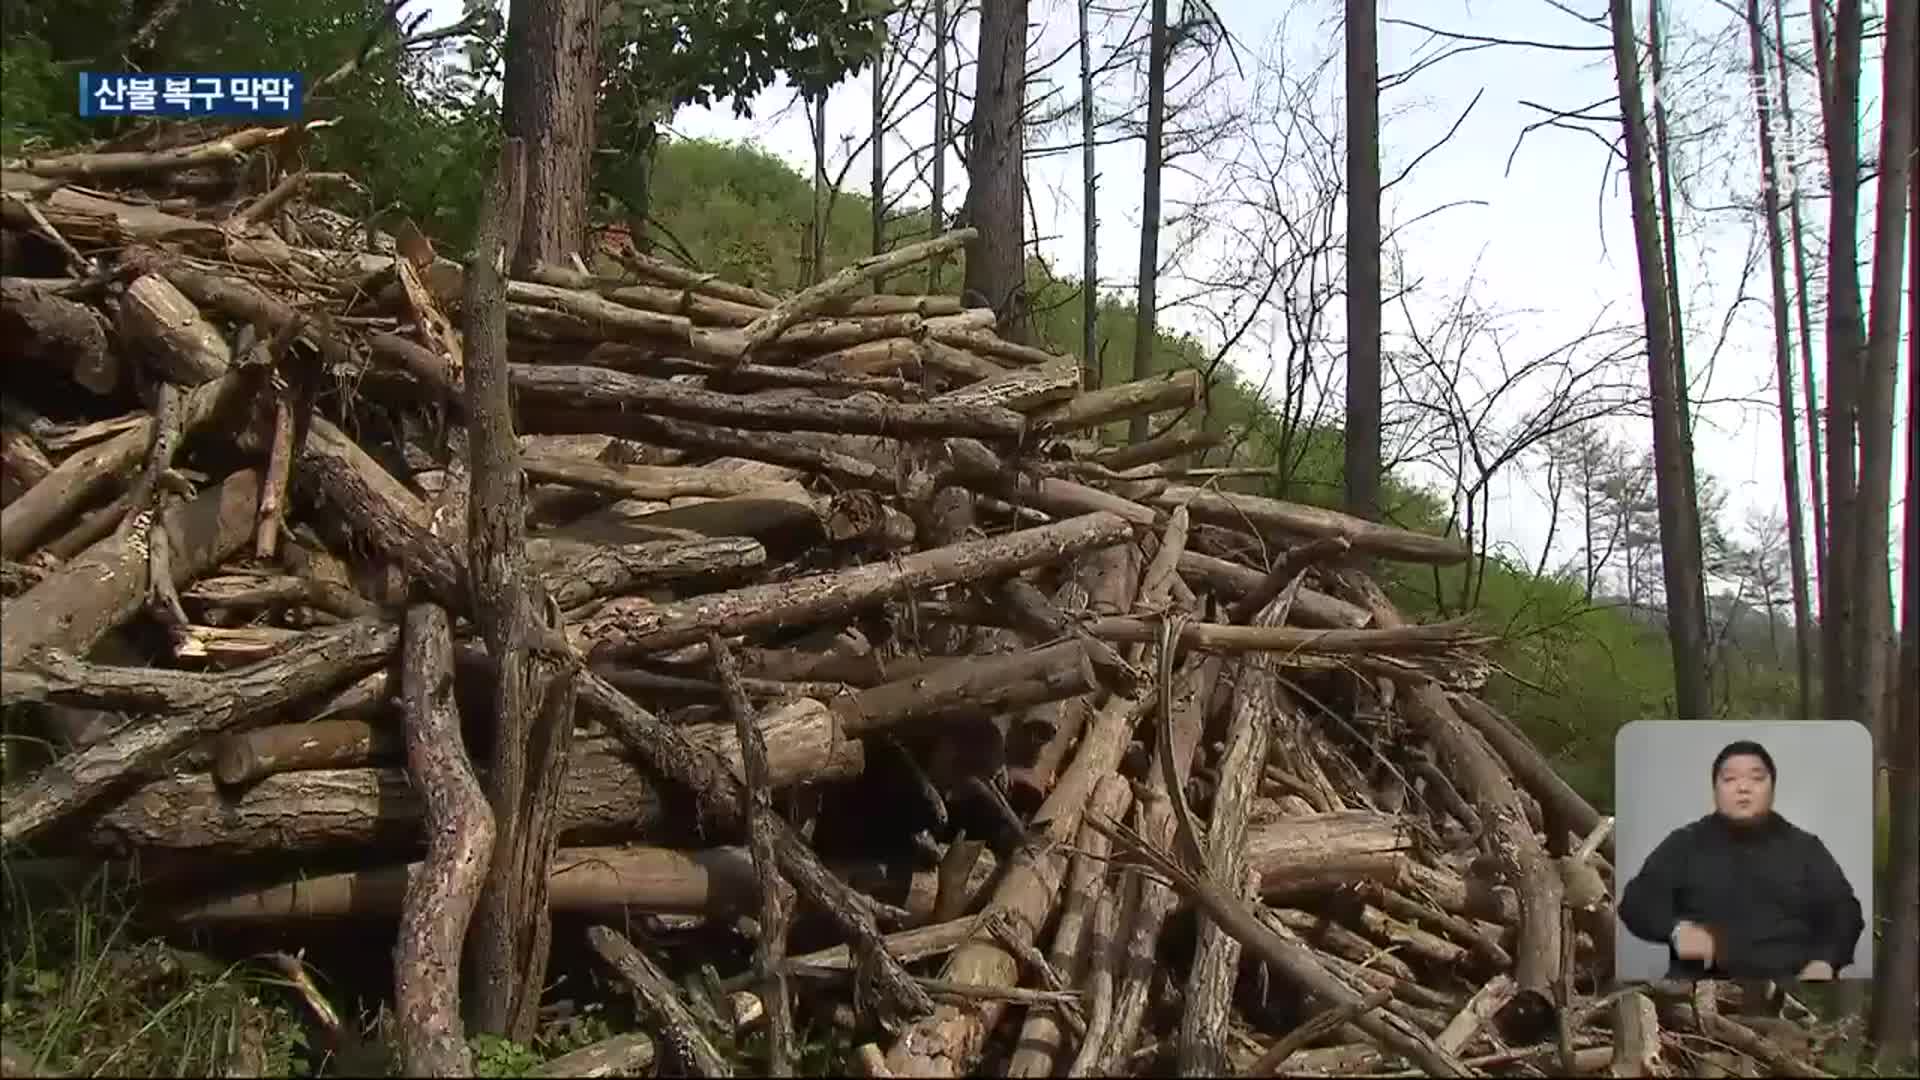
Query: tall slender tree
point(1670, 246)
point(1873, 633)
point(1363, 260)
point(877, 187)
point(940, 126)
point(1679, 521)
point(1809, 386)
point(1089, 215)
point(1144, 332)
point(1783, 365)
point(1846, 341)
point(1894, 1026)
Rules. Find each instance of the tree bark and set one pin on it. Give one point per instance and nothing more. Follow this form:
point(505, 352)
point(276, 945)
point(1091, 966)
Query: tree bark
point(626, 627)
point(548, 102)
point(1362, 440)
point(996, 261)
point(54, 329)
point(1679, 518)
point(74, 607)
point(194, 706)
point(440, 899)
point(555, 387)
point(606, 797)
point(1146, 303)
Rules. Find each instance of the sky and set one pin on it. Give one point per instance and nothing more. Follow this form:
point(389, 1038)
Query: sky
point(1539, 236)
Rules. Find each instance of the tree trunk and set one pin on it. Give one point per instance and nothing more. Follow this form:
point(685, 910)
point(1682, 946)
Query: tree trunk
point(1682, 401)
point(996, 261)
point(1783, 373)
point(1679, 520)
point(1873, 633)
point(551, 85)
point(1846, 340)
point(1895, 1024)
point(877, 194)
point(1144, 334)
point(1090, 219)
point(532, 703)
point(1363, 261)
point(1809, 385)
point(938, 210)
point(817, 239)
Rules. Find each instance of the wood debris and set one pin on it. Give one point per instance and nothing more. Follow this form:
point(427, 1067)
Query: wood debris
point(839, 597)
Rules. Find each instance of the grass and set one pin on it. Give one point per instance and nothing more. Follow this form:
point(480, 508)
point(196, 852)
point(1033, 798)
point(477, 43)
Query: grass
point(82, 995)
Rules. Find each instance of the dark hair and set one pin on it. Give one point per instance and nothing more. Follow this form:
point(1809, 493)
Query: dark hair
point(1738, 748)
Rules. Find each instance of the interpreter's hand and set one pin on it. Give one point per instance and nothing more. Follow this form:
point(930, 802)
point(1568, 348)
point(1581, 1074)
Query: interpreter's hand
point(1691, 941)
point(1816, 971)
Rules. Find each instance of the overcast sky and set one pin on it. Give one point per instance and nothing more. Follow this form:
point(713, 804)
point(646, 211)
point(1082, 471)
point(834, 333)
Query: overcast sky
point(1547, 241)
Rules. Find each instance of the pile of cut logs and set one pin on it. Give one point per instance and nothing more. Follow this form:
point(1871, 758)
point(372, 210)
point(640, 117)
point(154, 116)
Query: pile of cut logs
point(1035, 754)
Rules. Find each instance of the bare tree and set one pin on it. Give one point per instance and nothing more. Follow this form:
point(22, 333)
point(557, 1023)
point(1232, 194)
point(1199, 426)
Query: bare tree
point(1363, 260)
point(1894, 1026)
point(1809, 385)
point(1089, 216)
point(941, 124)
point(877, 191)
point(1873, 639)
point(1663, 163)
point(1846, 340)
point(1783, 370)
point(1679, 523)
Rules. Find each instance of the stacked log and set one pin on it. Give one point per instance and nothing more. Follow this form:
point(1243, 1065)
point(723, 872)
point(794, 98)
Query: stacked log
point(1043, 737)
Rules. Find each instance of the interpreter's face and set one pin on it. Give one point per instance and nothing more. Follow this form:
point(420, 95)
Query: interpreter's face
point(1744, 790)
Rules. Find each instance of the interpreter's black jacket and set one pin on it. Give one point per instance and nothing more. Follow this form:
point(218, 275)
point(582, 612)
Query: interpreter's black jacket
point(1770, 893)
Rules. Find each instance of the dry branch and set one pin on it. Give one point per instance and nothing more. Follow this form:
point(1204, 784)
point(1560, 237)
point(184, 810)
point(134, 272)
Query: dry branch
point(460, 831)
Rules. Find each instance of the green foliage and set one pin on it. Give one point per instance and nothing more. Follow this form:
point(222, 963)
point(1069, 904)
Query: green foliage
point(82, 995)
point(497, 1056)
point(36, 99)
point(691, 52)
